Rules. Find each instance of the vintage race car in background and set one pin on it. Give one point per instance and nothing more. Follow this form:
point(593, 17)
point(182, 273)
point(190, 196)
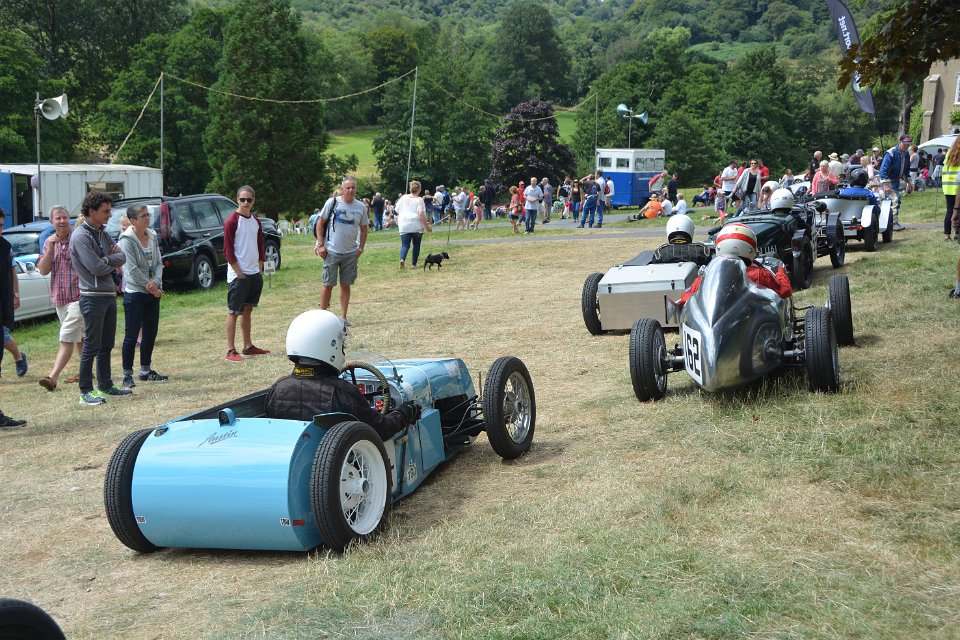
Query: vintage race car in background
point(860, 219)
point(229, 477)
point(733, 332)
point(796, 238)
point(636, 288)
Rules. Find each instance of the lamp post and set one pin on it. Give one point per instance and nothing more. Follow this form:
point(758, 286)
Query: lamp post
point(51, 109)
point(626, 112)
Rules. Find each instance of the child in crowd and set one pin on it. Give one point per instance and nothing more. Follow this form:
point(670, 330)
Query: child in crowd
point(516, 207)
point(477, 214)
point(719, 207)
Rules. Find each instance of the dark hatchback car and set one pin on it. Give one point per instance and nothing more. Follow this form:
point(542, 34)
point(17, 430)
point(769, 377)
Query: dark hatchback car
point(25, 239)
point(190, 231)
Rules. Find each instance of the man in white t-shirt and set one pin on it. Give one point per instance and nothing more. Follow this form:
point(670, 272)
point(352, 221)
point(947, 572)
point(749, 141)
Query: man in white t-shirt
point(729, 177)
point(341, 238)
point(681, 208)
point(532, 197)
point(243, 251)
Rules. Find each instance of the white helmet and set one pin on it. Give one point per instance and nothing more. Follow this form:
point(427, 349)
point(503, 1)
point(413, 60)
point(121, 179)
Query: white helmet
point(737, 240)
point(318, 335)
point(781, 199)
point(770, 185)
point(680, 229)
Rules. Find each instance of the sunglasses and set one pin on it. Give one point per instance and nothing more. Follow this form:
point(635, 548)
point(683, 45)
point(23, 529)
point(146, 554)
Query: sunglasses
point(246, 199)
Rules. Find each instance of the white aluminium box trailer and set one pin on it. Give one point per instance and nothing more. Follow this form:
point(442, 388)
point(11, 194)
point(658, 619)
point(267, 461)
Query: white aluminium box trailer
point(67, 184)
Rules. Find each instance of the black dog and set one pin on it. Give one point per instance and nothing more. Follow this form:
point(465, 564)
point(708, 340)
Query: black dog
point(436, 259)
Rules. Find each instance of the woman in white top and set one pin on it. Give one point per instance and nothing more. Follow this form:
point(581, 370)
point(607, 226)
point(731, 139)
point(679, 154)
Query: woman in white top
point(412, 222)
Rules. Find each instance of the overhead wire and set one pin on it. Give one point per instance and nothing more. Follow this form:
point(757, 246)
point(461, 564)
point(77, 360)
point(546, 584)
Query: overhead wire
point(239, 96)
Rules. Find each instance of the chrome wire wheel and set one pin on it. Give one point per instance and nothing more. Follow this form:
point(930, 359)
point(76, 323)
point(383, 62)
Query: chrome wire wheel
point(509, 408)
point(516, 407)
point(363, 487)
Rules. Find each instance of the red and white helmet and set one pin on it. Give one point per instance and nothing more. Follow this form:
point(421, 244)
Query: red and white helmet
point(737, 240)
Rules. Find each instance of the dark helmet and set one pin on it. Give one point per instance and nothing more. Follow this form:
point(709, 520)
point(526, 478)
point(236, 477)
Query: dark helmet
point(859, 177)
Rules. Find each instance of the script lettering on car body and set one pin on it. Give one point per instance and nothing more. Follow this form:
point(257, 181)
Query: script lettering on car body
point(214, 438)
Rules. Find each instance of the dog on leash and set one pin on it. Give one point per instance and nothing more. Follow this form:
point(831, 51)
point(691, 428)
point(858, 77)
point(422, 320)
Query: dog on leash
point(436, 259)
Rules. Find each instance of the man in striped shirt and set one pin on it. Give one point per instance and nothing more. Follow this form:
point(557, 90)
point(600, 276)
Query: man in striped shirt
point(64, 291)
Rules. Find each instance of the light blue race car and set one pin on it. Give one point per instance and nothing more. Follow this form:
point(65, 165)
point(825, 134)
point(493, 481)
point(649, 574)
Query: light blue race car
point(230, 478)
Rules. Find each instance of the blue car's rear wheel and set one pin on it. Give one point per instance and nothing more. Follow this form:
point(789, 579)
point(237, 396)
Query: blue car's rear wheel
point(350, 485)
point(21, 620)
point(509, 408)
point(117, 493)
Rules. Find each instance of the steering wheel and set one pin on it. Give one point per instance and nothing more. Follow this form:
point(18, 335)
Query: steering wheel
point(353, 366)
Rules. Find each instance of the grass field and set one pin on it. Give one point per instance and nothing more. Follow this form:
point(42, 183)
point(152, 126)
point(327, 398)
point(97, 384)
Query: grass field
point(359, 141)
point(765, 512)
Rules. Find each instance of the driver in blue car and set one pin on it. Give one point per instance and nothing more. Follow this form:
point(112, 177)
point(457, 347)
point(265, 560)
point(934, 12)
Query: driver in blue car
point(315, 344)
point(739, 241)
point(858, 187)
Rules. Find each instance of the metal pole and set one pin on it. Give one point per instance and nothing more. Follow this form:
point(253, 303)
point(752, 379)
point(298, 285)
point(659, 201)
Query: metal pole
point(596, 121)
point(630, 130)
point(413, 116)
point(161, 132)
point(36, 113)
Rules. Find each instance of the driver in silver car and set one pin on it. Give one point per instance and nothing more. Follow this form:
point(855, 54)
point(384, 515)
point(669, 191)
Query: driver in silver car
point(739, 241)
point(315, 344)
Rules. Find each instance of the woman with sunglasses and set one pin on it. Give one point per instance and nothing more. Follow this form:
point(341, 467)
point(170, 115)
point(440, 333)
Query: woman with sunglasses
point(143, 288)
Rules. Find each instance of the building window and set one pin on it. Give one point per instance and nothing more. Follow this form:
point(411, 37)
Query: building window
point(623, 163)
point(113, 189)
point(956, 97)
point(605, 163)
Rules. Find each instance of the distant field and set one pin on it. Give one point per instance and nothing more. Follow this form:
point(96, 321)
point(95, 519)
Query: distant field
point(359, 141)
point(730, 51)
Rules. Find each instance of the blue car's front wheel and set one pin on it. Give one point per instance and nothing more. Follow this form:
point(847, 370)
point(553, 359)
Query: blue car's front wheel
point(350, 487)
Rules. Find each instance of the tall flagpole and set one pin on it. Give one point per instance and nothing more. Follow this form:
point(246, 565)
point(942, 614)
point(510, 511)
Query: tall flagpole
point(413, 116)
point(161, 131)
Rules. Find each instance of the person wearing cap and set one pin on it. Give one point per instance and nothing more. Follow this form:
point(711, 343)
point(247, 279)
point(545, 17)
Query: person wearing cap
point(836, 167)
point(893, 168)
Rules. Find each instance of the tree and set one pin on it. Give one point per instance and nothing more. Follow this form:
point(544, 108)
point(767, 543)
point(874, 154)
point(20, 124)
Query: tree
point(451, 134)
point(528, 145)
point(277, 148)
point(89, 41)
point(902, 42)
point(191, 53)
point(20, 79)
point(529, 59)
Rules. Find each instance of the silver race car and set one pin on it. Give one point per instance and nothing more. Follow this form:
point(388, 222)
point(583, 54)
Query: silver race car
point(733, 332)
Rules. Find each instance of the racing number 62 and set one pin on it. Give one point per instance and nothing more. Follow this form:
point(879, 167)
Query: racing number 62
point(692, 342)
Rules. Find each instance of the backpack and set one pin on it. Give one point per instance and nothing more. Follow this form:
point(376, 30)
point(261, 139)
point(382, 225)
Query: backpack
point(606, 187)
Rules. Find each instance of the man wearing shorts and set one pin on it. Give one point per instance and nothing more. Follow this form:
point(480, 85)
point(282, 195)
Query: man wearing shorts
point(243, 250)
point(341, 237)
point(64, 291)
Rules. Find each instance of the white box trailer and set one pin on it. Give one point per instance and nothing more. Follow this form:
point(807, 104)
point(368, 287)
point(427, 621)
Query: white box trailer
point(67, 184)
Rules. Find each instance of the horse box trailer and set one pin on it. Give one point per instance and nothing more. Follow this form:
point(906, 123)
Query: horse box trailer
point(67, 184)
point(631, 171)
